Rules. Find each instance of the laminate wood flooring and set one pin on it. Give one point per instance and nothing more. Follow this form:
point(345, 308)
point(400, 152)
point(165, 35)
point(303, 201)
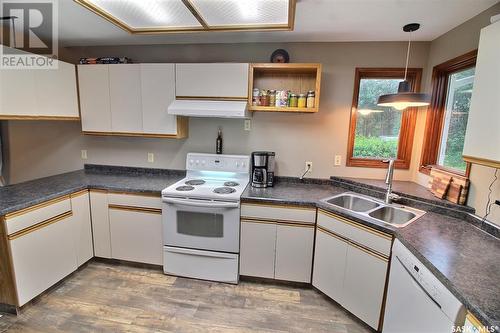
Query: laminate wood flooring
point(114, 297)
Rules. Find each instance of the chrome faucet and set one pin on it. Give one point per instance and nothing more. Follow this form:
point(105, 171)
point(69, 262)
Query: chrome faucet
point(389, 196)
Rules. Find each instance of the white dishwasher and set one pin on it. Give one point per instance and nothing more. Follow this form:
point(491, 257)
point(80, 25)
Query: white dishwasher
point(416, 300)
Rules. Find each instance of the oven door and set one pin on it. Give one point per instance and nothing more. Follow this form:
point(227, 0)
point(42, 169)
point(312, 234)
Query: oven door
point(201, 224)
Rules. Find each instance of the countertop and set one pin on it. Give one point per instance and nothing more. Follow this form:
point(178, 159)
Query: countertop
point(464, 257)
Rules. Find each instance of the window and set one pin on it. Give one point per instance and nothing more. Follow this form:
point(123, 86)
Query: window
point(452, 84)
point(378, 133)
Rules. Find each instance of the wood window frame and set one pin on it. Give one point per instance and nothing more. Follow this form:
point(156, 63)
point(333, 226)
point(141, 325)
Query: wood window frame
point(408, 118)
point(437, 110)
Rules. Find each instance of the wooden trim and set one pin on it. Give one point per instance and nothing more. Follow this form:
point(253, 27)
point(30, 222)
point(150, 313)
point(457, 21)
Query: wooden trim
point(141, 194)
point(249, 220)
point(8, 293)
point(278, 221)
point(204, 27)
point(98, 190)
point(475, 322)
point(79, 193)
point(482, 161)
point(357, 225)
point(329, 233)
point(17, 117)
point(37, 206)
point(370, 252)
point(295, 224)
point(143, 135)
point(265, 204)
point(208, 98)
point(436, 110)
point(408, 119)
point(135, 209)
point(40, 225)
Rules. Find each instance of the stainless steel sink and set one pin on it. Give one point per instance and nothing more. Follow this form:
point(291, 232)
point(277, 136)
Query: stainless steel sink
point(353, 202)
point(374, 210)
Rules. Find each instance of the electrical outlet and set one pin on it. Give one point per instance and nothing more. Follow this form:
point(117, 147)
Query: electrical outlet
point(308, 167)
point(151, 157)
point(338, 160)
point(248, 125)
point(84, 154)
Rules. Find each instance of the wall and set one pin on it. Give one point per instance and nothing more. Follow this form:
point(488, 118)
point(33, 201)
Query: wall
point(295, 138)
point(454, 43)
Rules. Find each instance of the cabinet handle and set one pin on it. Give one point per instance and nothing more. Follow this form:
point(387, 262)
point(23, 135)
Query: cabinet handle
point(40, 225)
point(136, 209)
point(362, 248)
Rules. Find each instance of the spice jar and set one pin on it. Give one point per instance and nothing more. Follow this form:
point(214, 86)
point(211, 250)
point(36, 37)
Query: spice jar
point(255, 96)
point(272, 97)
point(301, 102)
point(292, 101)
point(310, 99)
point(264, 98)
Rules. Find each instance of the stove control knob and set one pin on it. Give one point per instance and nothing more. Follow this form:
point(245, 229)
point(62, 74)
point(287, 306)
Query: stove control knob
point(237, 164)
point(191, 162)
point(197, 162)
point(203, 163)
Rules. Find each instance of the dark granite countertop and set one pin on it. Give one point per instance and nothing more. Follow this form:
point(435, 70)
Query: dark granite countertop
point(465, 258)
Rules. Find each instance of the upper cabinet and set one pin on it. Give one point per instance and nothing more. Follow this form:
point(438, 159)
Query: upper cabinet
point(482, 135)
point(213, 80)
point(129, 100)
point(39, 93)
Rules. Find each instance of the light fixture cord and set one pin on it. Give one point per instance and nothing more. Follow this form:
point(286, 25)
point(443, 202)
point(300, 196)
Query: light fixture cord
point(408, 55)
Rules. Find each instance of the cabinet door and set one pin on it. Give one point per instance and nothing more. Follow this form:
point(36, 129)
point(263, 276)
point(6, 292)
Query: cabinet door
point(100, 224)
point(136, 236)
point(212, 80)
point(364, 284)
point(42, 257)
point(80, 204)
point(17, 92)
point(158, 91)
point(125, 98)
point(94, 98)
point(257, 249)
point(294, 250)
point(329, 264)
point(56, 91)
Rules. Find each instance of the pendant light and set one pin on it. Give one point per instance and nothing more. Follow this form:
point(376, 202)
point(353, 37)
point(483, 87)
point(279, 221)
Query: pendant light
point(405, 97)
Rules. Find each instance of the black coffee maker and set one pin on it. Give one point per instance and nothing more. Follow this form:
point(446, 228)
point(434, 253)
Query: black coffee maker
point(263, 169)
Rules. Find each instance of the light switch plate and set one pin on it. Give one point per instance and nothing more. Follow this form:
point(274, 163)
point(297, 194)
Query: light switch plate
point(248, 125)
point(151, 158)
point(338, 160)
point(84, 154)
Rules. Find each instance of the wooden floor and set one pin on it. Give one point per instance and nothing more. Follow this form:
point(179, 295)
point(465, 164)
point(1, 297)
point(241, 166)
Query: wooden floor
point(108, 297)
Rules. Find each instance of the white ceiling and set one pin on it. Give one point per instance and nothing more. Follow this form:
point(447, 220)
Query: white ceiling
point(316, 20)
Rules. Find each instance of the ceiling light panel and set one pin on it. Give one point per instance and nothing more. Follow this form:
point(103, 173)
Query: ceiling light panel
point(224, 13)
point(144, 14)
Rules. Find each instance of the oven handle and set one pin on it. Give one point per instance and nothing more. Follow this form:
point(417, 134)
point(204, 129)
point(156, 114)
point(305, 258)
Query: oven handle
point(205, 204)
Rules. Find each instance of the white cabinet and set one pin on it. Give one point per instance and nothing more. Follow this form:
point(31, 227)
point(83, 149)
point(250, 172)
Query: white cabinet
point(228, 80)
point(364, 284)
point(136, 235)
point(482, 135)
point(294, 250)
point(329, 264)
point(100, 224)
point(42, 256)
point(16, 102)
point(257, 249)
point(275, 246)
point(94, 98)
point(158, 91)
point(82, 227)
point(129, 100)
point(125, 98)
point(350, 265)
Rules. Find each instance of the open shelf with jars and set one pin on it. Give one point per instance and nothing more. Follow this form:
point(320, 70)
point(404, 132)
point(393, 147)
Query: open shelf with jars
point(284, 87)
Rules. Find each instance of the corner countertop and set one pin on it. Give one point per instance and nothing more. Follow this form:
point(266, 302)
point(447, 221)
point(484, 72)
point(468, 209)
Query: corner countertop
point(462, 256)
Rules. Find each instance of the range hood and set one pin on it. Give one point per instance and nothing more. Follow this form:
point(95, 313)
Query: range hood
point(209, 108)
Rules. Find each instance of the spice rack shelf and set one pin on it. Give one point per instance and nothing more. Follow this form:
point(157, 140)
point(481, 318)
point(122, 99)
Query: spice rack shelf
point(296, 77)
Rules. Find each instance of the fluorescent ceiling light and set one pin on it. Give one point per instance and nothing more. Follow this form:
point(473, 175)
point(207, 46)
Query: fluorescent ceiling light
point(164, 16)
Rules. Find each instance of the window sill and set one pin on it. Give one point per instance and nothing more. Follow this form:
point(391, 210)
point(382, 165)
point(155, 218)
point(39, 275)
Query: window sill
point(427, 170)
point(373, 163)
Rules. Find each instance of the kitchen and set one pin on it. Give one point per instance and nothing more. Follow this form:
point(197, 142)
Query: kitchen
point(290, 222)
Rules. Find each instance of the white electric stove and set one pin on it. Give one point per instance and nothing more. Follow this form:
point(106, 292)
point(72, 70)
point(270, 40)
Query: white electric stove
point(201, 218)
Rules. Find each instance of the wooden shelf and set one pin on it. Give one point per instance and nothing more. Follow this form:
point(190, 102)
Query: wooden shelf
point(298, 78)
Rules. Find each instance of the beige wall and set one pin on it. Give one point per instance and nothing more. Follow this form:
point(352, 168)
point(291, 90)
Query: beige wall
point(295, 138)
point(454, 43)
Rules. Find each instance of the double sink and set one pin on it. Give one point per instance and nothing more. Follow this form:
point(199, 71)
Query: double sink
point(369, 208)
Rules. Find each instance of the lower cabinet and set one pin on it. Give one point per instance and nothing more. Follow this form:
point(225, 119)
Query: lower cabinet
point(136, 235)
point(100, 223)
point(351, 273)
point(42, 256)
point(82, 227)
point(273, 246)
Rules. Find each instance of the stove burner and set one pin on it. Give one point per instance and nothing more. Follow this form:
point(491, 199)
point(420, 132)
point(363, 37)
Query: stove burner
point(195, 182)
point(231, 184)
point(185, 188)
point(224, 190)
